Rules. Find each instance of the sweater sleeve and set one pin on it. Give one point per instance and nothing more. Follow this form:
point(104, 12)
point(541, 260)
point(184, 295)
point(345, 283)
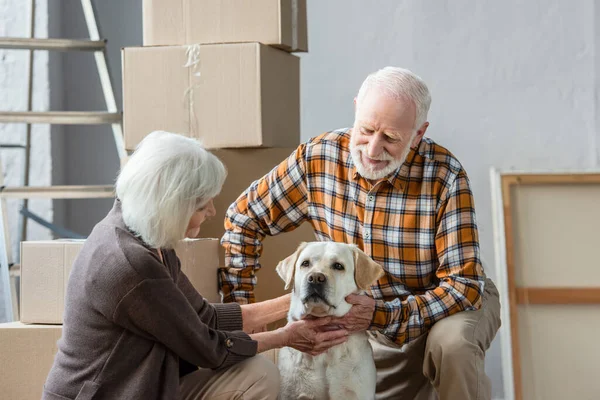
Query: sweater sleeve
point(158, 309)
point(225, 317)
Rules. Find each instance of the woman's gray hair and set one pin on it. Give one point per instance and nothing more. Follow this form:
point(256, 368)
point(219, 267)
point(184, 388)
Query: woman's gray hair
point(400, 83)
point(168, 177)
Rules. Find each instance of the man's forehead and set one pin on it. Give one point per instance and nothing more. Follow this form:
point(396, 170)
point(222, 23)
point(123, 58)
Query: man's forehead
point(393, 119)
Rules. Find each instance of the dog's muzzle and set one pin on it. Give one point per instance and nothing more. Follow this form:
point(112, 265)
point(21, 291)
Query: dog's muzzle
point(316, 289)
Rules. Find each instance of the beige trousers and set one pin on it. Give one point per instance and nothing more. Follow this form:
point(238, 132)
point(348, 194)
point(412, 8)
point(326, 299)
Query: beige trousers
point(255, 378)
point(446, 364)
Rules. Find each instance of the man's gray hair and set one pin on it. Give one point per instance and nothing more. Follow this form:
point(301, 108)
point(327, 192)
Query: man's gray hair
point(400, 83)
point(168, 177)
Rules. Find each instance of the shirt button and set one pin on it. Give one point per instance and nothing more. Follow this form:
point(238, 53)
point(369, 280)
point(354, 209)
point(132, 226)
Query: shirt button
point(229, 343)
point(371, 198)
point(367, 235)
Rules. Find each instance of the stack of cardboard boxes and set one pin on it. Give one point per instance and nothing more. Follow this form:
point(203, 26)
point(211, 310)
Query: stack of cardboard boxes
point(223, 71)
point(218, 70)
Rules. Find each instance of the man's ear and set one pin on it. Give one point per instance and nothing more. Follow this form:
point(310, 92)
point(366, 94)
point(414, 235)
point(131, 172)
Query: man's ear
point(366, 271)
point(287, 267)
point(420, 134)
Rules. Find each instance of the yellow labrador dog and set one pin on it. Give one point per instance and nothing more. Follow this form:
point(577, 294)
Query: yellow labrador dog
point(322, 274)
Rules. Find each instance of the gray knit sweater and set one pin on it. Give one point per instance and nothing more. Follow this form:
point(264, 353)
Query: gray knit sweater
point(129, 320)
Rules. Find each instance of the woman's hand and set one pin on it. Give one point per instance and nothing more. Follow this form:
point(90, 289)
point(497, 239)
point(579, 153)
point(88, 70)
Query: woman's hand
point(310, 335)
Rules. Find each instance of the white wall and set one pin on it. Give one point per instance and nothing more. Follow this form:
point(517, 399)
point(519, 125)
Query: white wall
point(514, 83)
point(14, 22)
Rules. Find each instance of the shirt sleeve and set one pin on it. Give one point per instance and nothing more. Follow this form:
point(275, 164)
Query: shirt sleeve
point(158, 310)
point(273, 204)
point(460, 273)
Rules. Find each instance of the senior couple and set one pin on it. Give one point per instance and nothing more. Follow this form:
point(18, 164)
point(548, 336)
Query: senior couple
point(135, 327)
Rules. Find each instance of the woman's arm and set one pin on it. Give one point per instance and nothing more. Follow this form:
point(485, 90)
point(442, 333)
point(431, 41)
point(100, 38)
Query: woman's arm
point(256, 316)
point(309, 336)
point(158, 310)
point(216, 316)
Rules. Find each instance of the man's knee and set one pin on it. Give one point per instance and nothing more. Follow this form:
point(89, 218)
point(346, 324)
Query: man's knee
point(450, 345)
point(451, 340)
point(266, 376)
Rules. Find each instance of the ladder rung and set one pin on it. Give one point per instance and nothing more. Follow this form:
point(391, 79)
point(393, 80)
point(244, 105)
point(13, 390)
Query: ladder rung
point(12, 146)
point(59, 192)
point(51, 44)
point(60, 117)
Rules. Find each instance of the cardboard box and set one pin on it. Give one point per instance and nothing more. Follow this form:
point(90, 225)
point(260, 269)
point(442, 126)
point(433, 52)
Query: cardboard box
point(27, 355)
point(280, 23)
point(229, 95)
point(45, 269)
point(46, 265)
point(244, 167)
point(200, 262)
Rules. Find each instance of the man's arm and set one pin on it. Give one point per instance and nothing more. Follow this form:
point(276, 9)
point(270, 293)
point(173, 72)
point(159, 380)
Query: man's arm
point(460, 273)
point(276, 203)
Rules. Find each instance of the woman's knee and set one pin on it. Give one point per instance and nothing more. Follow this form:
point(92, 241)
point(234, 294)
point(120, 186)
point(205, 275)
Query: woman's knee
point(253, 378)
point(266, 376)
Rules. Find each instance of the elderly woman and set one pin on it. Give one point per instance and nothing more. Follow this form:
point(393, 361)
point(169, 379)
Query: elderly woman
point(135, 327)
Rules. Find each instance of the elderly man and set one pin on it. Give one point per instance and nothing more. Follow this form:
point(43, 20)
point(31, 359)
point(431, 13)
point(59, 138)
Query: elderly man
point(405, 201)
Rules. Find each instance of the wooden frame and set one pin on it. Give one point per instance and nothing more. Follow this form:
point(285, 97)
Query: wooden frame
point(511, 294)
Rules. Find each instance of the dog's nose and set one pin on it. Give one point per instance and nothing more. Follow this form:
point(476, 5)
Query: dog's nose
point(316, 278)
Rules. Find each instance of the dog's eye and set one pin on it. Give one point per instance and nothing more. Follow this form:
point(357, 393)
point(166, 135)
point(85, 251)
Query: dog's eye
point(305, 263)
point(338, 266)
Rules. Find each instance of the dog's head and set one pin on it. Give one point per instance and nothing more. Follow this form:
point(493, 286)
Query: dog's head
point(323, 274)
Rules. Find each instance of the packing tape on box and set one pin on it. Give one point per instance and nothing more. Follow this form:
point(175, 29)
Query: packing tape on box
point(294, 24)
point(193, 64)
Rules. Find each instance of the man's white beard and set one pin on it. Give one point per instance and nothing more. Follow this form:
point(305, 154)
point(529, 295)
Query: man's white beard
point(371, 173)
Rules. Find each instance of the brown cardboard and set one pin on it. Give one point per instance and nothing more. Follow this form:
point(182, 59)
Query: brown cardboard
point(27, 353)
point(200, 262)
point(169, 22)
point(45, 269)
point(245, 166)
point(46, 265)
point(236, 95)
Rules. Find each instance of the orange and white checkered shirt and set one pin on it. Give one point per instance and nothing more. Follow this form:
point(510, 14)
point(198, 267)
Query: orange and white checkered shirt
point(419, 224)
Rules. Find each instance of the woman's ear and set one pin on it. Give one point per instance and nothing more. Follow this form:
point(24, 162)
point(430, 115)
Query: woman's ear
point(287, 267)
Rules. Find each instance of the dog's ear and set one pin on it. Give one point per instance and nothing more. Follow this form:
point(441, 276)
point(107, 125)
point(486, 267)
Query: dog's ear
point(287, 267)
point(366, 271)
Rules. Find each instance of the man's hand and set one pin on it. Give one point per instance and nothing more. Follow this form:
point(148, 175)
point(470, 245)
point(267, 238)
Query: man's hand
point(360, 315)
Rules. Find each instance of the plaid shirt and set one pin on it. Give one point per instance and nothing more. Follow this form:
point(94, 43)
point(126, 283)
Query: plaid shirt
point(419, 224)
